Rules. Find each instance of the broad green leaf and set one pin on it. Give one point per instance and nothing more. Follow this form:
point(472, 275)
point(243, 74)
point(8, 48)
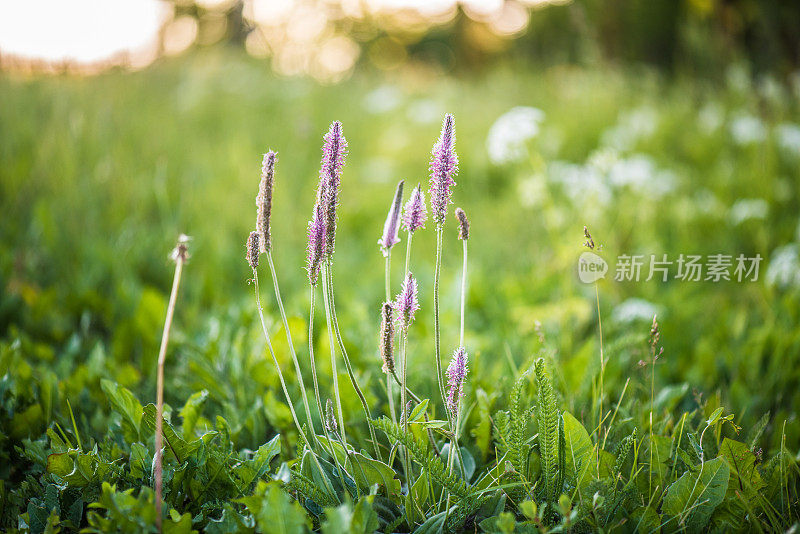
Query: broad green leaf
point(278, 514)
point(191, 413)
point(691, 500)
point(139, 459)
point(580, 459)
point(127, 405)
point(367, 472)
point(252, 469)
point(420, 493)
point(745, 478)
point(644, 519)
point(173, 443)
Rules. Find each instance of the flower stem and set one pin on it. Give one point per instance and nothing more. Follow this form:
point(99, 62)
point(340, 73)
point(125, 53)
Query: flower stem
point(162, 356)
point(389, 385)
point(346, 358)
point(291, 345)
point(316, 386)
point(303, 436)
point(436, 333)
point(463, 294)
point(332, 342)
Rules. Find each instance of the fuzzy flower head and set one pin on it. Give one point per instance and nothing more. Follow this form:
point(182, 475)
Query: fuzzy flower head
point(463, 224)
point(443, 166)
point(330, 418)
point(456, 374)
point(406, 303)
point(392, 224)
point(334, 153)
point(415, 213)
point(387, 338)
point(316, 243)
point(252, 250)
point(264, 200)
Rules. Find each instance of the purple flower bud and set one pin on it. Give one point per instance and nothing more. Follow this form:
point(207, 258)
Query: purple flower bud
point(406, 303)
point(415, 213)
point(251, 247)
point(264, 200)
point(392, 224)
point(387, 338)
point(334, 153)
point(316, 243)
point(443, 166)
point(456, 374)
point(463, 224)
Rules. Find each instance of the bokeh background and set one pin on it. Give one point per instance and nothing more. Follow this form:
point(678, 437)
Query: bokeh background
point(667, 127)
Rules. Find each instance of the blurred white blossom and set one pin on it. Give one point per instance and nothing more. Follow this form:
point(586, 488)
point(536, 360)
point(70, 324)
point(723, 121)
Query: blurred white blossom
point(789, 138)
point(632, 126)
point(640, 172)
point(507, 138)
point(634, 309)
point(710, 118)
point(746, 209)
point(383, 99)
point(747, 129)
point(784, 267)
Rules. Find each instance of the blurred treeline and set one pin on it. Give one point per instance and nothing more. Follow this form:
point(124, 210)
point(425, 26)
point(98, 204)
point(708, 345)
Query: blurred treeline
point(698, 37)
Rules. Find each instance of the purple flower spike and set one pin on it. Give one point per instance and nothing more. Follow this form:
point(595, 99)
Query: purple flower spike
point(444, 165)
point(334, 153)
point(415, 213)
point(456, 374)
point(392, 224)
point(264, 200)
point(316, 243)
point(406, 303)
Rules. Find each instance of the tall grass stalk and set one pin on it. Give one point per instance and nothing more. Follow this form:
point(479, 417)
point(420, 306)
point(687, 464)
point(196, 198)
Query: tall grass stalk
point(180, 256)
point(293, 353)
point(331, 310)
point(436, 326)
point(302, 434)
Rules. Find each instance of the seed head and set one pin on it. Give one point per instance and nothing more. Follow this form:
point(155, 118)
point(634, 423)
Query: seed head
point(181, 250)
point(415, 213)
point(330, 418)
point(463, 224)
point(387, 338)
point(589, 243)
point(456, 374)
point(252, 250)
point(316, 243)
point(392, 224)
point(406, 303)
point(443, 166)
point(264, 200)
point(334, 153)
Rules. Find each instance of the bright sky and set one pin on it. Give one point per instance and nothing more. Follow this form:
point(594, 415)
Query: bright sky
point(80, 30)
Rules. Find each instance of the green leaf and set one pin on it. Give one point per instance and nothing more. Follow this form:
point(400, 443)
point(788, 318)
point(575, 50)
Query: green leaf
point(191, 412)
point(140, 460)
point(693, 497)
point(252, 469)
point(367, 472)
point(278, 514)
point(744, 478)
point(580, 461)
point(174, 444)
point(127, 405)
point(419, 411)
point(420, 493)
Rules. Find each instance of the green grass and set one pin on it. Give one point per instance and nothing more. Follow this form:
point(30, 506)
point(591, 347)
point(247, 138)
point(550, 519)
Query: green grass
point(98, 176)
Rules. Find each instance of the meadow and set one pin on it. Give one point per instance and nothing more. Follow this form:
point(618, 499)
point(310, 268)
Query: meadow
point(99, 176)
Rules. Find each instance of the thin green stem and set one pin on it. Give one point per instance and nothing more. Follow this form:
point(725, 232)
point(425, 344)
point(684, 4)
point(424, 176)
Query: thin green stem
point(316, 385)
point(463, 294)
point(404, 416)
point(332, 343)
point(436, 326)
point(346, 358)
point(291, 344)
point(285, 390)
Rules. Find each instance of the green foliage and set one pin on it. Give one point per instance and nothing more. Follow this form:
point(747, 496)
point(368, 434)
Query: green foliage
point(549, 421)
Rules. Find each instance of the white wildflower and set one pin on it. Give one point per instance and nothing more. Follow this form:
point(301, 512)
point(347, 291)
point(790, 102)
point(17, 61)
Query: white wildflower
point(746, 209)
point(509, 134)
point(634, 309)
point(784, 267)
